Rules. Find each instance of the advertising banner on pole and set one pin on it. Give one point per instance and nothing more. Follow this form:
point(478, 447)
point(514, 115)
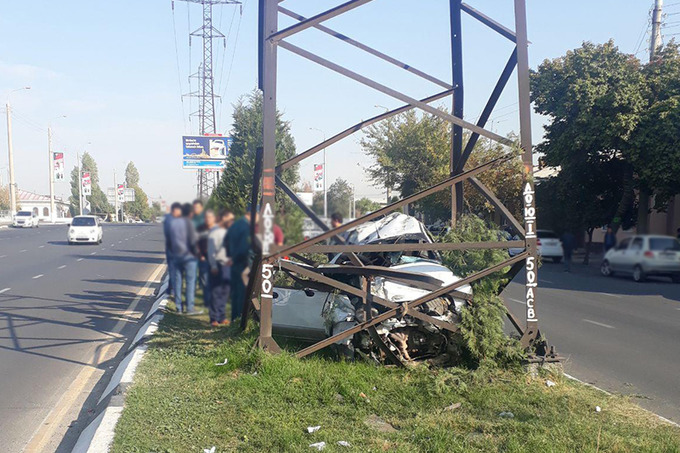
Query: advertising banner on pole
point(205, 152)
point(58, 160)
point(318, 177)
point(120, 193)
point(87, 183)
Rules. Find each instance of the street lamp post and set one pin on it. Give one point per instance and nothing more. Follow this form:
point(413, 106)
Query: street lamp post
point(50, 162)
point(325, 192)
point(12, 183)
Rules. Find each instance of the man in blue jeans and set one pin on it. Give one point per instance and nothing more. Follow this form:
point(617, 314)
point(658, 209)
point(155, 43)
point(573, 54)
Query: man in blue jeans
point(184, 253)
point(175, 211)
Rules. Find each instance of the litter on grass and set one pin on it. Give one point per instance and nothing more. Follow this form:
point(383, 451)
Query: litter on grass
point(550, 383)
point(223, 363)
point(344, 443)
point(319, 445)
point(598, 409)
point(209, 450)
point(452, 407)
point(313, 429)
point(506, 415)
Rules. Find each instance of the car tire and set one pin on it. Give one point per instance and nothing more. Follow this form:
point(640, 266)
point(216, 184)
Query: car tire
point(638, 274)
point(557, 259)
point(605, 269)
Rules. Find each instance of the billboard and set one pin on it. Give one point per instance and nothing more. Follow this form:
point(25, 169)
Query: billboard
point(318, 177)
point(205, 152)
point(87, 183)
point(58, 160)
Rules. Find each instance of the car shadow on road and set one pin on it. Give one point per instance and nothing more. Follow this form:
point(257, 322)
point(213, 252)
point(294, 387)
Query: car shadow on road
point(587, 278)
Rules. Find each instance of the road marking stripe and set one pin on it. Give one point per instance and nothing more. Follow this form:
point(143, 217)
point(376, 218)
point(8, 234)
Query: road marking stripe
point(38, 276)
point(93, 253)
point(79, 259)
point(57, 417)
point(3, 256)
point(22, 251)
point(611, 295)
point(41, 247)
point(599, 324)
point(7, 289)
point(62, 266)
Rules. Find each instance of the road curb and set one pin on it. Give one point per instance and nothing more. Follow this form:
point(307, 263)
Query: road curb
point(98, 436)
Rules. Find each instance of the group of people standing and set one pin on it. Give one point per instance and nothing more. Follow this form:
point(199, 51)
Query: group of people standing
point(210, 249)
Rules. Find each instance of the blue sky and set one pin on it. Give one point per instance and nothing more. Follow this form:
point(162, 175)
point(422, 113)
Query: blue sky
point(114, 70)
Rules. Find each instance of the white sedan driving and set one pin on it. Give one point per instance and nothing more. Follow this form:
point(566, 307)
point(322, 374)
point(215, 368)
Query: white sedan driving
point(85, 228)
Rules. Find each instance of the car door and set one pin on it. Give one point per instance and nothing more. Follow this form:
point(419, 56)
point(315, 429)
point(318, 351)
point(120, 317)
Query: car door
point(633, 255)
point(617, 256)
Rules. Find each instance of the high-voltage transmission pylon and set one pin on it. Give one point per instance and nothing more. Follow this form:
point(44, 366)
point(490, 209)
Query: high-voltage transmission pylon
point(206, 84)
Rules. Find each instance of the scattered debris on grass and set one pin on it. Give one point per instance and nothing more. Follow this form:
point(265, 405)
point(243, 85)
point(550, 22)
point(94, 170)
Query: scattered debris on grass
point(377, 423)
point(223, 363)
point(344, 443)
point(318, 445)
point(550, 383)
point(506, 415)
point(598, 409)
point(452, 407)
point(313, 429)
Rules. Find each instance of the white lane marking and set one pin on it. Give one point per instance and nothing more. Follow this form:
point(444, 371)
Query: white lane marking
point(37, 276)
point(22, 251)
point(41, 247)
point(517, 301)
point(4, 290)
point(103, 248)
point(120, 242)
point(79, 259)
point(93, 253)
point(599, 324)
point(3, 256)
point(62, 266)
point(611, 295)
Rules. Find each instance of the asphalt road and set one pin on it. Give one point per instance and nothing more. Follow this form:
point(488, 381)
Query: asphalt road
point(65, 314)
point(619, 335)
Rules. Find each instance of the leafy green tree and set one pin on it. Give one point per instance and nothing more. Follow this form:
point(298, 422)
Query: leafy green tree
point(140, 207)
point(366, 206)
point(411, 152)
point(593, 97)
point(233, 191)
point(131, 175)
point(4, 198)
point(98, 202)
point(338, 199)
point(156, 209)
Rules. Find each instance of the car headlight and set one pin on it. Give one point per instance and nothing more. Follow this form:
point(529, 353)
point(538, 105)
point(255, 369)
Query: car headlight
point(71, 231)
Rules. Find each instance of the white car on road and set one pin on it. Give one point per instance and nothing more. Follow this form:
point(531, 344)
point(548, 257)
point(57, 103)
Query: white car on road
point(85, 228)
point(643, 255)
point(25, 219)
point(548, 243)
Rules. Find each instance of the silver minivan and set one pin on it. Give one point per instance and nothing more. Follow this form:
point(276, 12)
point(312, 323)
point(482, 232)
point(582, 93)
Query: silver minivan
point(644, 255)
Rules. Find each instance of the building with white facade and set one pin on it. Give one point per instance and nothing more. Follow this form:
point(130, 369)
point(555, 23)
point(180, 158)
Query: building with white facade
point(40, 205)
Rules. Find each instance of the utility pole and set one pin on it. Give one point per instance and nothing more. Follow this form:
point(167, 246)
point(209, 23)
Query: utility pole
point(654, 45)
point(115, 193)
point(50, 160)
point(656, 42)
point(206, 84)
point(80, 185)
point(12, 183)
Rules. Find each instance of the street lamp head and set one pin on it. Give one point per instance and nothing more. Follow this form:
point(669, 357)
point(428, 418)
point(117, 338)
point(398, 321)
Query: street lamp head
point(27, 88)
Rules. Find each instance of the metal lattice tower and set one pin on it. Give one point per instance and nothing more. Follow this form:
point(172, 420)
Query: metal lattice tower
point(206, 84)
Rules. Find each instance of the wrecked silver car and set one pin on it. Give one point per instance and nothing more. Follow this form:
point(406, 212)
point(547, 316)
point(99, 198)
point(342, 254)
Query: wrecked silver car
point(316, 311)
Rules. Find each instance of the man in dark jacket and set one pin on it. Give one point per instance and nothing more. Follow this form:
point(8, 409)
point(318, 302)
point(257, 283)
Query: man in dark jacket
point(238, 247)
point(568, 246)
point(184, 252)
point(609, 239)
point(175, 211)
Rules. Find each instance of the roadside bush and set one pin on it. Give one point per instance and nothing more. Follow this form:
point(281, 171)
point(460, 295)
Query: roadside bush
point(481, 326)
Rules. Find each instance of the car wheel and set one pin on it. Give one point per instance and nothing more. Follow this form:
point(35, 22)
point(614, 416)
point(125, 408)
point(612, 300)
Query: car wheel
point(638, 274)
point(557, 259)
point(605, 269)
